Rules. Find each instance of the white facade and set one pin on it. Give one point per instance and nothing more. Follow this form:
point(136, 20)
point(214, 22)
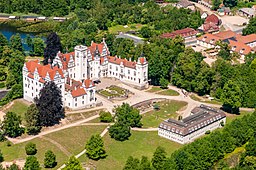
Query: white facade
point(75, 72)
point(192, 127)
point(192, 136)
point(95, 62)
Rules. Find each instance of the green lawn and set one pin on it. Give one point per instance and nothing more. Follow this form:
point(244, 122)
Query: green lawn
point(75, 138)
point(197, 98)
point(139, 144)
point(154, 89)
point(119, 90)
point(72, 139)
point(121, 28)
point(18, 151)
point(18, 107)
point(167, 110)
point(169, 92)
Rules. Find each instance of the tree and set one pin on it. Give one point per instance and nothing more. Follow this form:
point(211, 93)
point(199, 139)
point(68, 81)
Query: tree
point(16, 42)
point(13, 167)
point(50, 105)
point(159, 158)
point(120, 132)
point(1, 156)
point(251, 27)
point(145, 163)
point(131, 164)
point(146, 32)
point(38, 47)
point(126, 114)
point(224, 51)
point(32, 120)
point(73, 163)
point(164, 83)
point(105, 117)
point(32, 163)
point(53, 46)
point(231, 97)
point(49, 159)
point(30, 148)
point(95, 148)
point(12, 125)
point(3, 42)
point(230, 3)
point(216, 4)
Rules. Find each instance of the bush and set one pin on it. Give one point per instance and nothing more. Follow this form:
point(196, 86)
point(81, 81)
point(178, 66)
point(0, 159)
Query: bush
point(106, 117)
point(30, 148)
point(164, 83)
point(8, 143)
point(49, 159)
point(2, 85)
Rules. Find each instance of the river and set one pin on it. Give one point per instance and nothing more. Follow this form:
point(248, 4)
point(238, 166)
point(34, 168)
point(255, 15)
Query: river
point(8, 31)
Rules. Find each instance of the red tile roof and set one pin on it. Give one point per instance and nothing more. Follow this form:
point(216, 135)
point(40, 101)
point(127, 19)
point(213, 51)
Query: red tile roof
point(65, 58)
point(183, 32)
point(43, 70)
point(212, 18)
point(88, 83)
point(226, 34)
point(125, 62)
point(238, 47)
point(209, 38)
point(210, 27)
point(246, 39)
point(78, 92)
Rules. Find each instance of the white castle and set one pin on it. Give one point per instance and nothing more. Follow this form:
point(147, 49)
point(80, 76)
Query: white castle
point(74, 73)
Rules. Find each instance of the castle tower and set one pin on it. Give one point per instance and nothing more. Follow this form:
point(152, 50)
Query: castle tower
point(80, 63)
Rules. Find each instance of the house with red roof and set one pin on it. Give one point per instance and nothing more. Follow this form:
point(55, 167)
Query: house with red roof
point(242, 45)
point(188, 34)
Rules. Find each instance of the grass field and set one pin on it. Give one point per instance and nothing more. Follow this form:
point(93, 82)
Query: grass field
point(169, 92)
point(139, 144)
point(154, 89)
point(167, 110)
point(75, 138)
point(15, 152)
point(121, 28)
point(18, 107)
point(72, 139)
point(195, 97)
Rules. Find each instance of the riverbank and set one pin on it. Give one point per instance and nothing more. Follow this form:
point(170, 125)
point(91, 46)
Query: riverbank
point(21, 26)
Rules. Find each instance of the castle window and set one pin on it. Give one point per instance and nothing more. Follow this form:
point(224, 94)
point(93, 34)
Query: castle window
point(36, 90)
point(83, 97)
point(82, 102)
point(134, 73)
point(110, 67)
point(83, 75)
point(75, 99)
point(75, 104)
point(128, 71)
point(116, 68)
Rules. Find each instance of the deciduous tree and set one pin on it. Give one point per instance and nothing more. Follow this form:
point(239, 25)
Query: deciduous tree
point(95, 148)
point(32, 120)
point(49, 159)
point(120, 132)
point(50, 105)
point(12, 125)
point(30, 148)
point(53, 46)
point(159, 158)
point(231, 97)
point(73, 163)
point(16, 42)
point(32, 163)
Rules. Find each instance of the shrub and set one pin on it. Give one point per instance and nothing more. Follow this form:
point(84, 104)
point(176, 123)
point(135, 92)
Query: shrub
point(49, 159)
point(105, 117)
point(30, 148)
